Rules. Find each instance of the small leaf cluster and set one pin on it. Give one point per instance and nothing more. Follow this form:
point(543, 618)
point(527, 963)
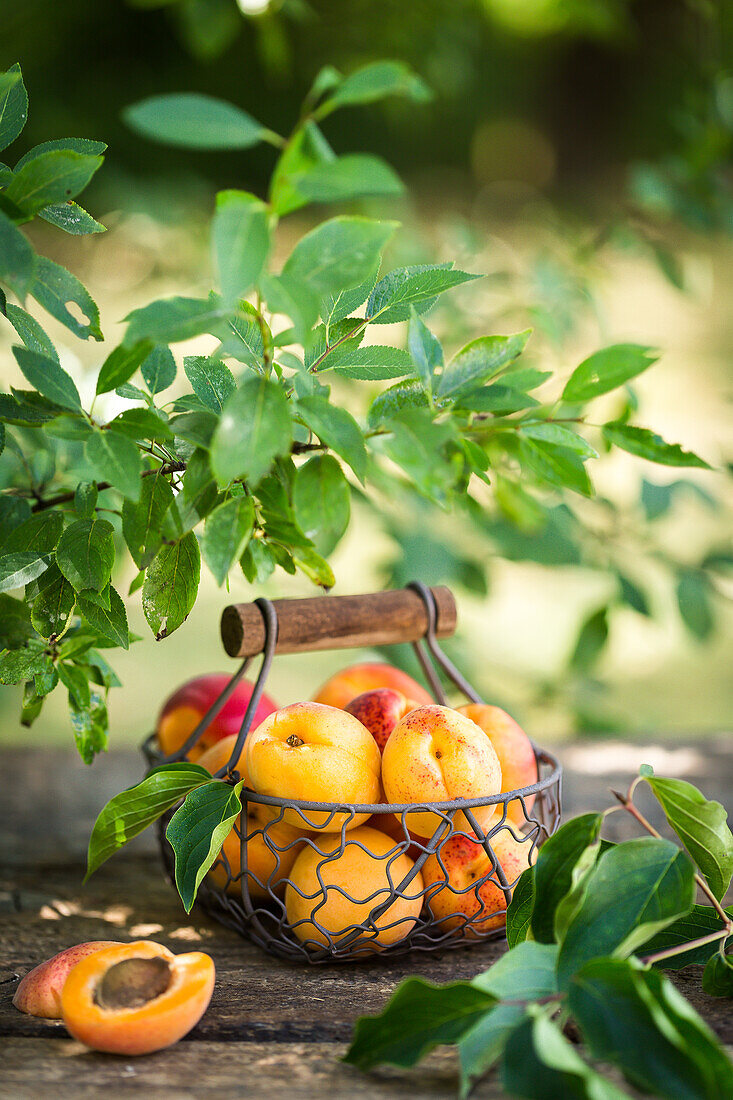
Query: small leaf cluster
point(297, 409)
point(590, 929)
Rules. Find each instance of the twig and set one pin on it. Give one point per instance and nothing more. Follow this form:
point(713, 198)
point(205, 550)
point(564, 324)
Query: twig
point(63, 498)
point(681, 948)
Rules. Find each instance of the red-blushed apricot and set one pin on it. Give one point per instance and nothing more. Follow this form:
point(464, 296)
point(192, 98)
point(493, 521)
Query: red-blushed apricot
point(380, 710)
point(435, 754)
point(356, 679)
point(515, 752)
point(183, 711)
point(136, 998)
point(313, 753)
point(466, 862)
point(354, 883)
point(39, 992)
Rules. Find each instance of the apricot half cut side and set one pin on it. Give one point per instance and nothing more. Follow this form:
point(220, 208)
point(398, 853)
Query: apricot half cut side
point(136, 998)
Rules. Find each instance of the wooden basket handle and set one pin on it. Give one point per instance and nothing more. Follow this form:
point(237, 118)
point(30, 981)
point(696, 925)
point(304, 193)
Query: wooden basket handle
point(338, 622)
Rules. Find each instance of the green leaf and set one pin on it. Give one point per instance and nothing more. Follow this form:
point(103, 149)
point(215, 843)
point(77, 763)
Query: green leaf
point(194, 121)
point(55, 288)
point(116, 459)
point(142, 522)
point(519, 911)
point(90, 723)
point(48, 378)
point(717, 979)
point(558, 435)
point(72, 218)
point(632, 595)
point(15, 622)
point(418, 1017)
point(479, 361)
point(307, 148)
point(336, 428)
point(171, 584)
point(39, 533)
point(591, 640)
point(338, 254)
point(553, 873)
point(391, 402)
point(539, 1062)
point(374, 82)
point(425, 350)
point(557, 466)
point(606, 370)
point(18, 665)
point(646, 444)
point(293, 297)
point(348, 177)
point(312, 564)
point(170, 320)
point(111, 624)
point(242, 337)
point(636, 1020)
point(86, 553)
point(336, 307)
point(371, 363)
point(415, 444)
point(120, 365)
point(211, 380)
point(496, 398)
point(13, 105)
point(30, 332)
point(85, 146)
point(699, 922)
point(159, 369)
point(322, 502)
point(693, 600)
point(52, 177)
point(197, 831)
point(255, 428)
point(257, 561)
point(701, 825)
point(131, 811)
point(53, 604)
point(13, 512)
point(19, 569)
point(240, 242)
point(659, 887)
point(17, 258)
point(141, 424)
point(198, 498)
point(399, 291)
point(226, 533)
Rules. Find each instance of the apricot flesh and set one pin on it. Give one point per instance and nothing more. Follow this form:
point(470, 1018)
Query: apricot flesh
point(355, 882)
point(185, 708)
point(515, 753)
point(136, 998)
point(380, 710)
point(39, 992)
point(315, 753)
point(435, 754)
point(356, 679)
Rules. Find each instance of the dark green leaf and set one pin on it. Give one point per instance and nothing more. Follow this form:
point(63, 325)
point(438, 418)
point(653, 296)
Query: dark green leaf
point(13, 512)
point(322, 502)
point(13, 105)
point(30, 332)
point(592, 638)
point(257, 561)
point(90, 723)
point(632, 595)
point(159, 369)
point(198, 498)
point(195, 427)
point(496, 398)
point(17, 258)
point(374, 82)
point(112, 623)
point(131, 811)
point(646, 444)
point(717, 979)
point(55, 288)
point(170, 320)
point(48, 378)
point(240, 242)
point(116, 459)
point(519, 912)
point(391, 402)
point(338, 254)
point(336, 428)
point(554, 871)
point(55, 176)
point(141, 424)
point(194, 121)
point(701, 825)
point(606, 370)
point(86, 146)
point(171, 584)
point(85, 553)
point(555, 465)
point(255, 428)
point(53, 604)
point(197, 831)
point(18, 665)
point(15, 622)
point(120, 365)
point(142, 522)
point(694, 602)
point(425, 350)
point(226, 533)
point(700, 922)
point(40, 533)
point(211, 380)
point(19, 569)
point(395, 295)
point(478, 361)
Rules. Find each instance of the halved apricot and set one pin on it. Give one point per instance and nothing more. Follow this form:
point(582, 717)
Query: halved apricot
point(39, 993)
point(137, 997)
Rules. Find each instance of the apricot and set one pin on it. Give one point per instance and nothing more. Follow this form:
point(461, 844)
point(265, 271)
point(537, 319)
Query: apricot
point(435, 754)
point(267, 863)
point(465, 863)
point(314, 753)
point(136, 997)
point(39, 992)
point(183, 711)
point(515, 752)
point(380, 710)
point(356, 679)
point(354, 882)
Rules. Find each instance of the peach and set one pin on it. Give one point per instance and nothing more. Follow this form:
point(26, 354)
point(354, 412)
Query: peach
point(380, 710)
point(355, 881)
point(465, 863)
point(183, 711)
point(267, 863)
point(39, 992)
point(356, 679)
point(515, 752)
point(136, 998)
point(313, 753)
point(435, 754)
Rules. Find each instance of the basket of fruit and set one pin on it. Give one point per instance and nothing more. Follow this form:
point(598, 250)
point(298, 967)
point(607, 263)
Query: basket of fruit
point(376, 817)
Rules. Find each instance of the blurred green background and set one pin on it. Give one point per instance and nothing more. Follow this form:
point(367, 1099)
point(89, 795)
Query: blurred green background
point(577, 151)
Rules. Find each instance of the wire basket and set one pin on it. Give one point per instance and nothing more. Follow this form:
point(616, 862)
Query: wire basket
point(390, 890)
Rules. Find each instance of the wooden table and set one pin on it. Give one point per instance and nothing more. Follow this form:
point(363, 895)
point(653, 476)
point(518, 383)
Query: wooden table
point(272, 1029)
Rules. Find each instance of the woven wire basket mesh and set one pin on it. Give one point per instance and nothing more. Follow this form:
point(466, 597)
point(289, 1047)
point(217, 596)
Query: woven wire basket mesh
point(366, 882)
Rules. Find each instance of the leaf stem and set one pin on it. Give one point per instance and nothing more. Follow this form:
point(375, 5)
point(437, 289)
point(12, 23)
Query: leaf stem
point(680, 948)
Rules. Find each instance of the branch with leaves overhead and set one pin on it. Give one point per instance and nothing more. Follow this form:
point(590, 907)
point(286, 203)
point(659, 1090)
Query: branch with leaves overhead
point(256, 465)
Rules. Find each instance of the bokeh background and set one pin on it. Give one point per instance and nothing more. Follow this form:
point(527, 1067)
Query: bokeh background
point(580, 152)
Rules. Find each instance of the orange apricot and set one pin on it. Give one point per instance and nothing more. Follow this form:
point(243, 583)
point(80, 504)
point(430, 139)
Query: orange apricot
point(39, 992)
point(515, 752)
point(136, 998)
point(356, 679)
point(380, 710)
point(185, 708)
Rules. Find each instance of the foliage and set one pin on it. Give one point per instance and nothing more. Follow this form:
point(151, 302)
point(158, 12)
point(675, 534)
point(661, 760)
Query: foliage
point(580, 990)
